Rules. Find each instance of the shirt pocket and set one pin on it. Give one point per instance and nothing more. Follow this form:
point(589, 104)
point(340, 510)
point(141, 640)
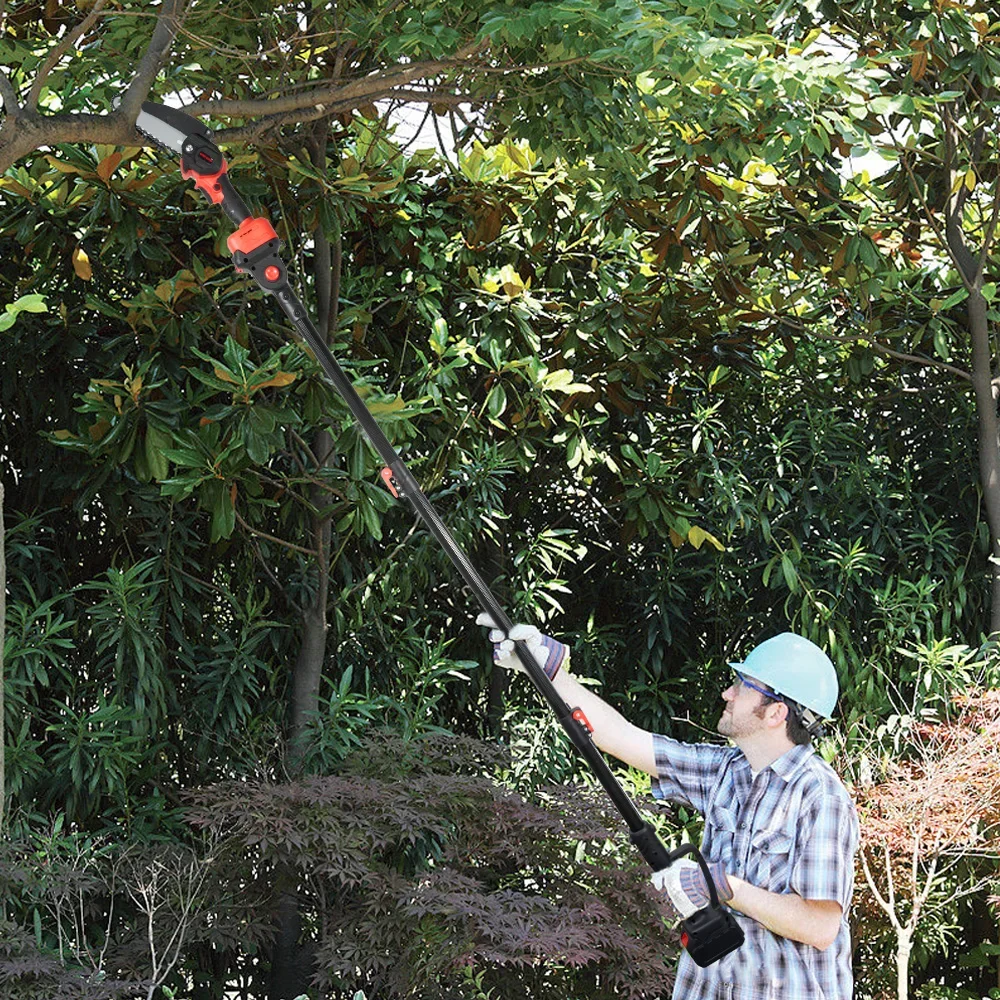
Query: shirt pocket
point(771, 858)
point(720, 833)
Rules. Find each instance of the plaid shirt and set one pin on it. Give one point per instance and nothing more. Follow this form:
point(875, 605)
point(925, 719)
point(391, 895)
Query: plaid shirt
point(793, 829)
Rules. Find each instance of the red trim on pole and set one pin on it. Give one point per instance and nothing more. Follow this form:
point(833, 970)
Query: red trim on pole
point(389, 481)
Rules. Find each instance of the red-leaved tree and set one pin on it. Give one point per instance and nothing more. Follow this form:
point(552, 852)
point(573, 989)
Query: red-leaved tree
point(927, 810)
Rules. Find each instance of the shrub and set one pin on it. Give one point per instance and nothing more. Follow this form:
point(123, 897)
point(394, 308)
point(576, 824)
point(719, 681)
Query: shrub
point(417, 873)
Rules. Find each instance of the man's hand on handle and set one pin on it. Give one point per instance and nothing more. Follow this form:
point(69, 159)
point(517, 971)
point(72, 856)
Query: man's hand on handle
point(685, 885)
point(550, 654)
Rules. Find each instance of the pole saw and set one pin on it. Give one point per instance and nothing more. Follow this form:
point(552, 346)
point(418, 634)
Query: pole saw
point(710, 933)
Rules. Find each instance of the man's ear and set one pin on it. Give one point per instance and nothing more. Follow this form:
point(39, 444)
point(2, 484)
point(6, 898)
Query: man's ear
point(778, 718)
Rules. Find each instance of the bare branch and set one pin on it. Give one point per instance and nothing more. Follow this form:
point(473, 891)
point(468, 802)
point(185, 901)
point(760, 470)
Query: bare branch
point(272, 538)
point(890, 910)
point(334, 93)
point(167, 25)
point(888, 870)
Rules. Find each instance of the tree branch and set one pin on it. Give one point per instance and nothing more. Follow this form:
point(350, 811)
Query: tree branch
point(990, 229)
point(880, 899)
point(68, 41)
point(272, 538)
point(31, 130)
point(9, 98)
point(167, 25)
point(875, 345)
point(888, 870)
point(333, 92)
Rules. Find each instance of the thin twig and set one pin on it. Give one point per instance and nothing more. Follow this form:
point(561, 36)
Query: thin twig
point(874, 344)
point(271, 538)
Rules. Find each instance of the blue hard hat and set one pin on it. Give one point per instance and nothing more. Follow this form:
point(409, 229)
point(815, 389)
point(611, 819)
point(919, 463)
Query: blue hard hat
point(795, 668)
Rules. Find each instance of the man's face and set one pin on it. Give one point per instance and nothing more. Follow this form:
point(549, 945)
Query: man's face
point(738, 719)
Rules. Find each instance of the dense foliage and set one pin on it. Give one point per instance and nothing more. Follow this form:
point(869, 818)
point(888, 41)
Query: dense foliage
point(646, 351)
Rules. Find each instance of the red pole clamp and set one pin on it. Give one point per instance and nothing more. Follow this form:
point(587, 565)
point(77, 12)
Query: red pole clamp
point(582, 719)
point(252, 234)
point(390, 481)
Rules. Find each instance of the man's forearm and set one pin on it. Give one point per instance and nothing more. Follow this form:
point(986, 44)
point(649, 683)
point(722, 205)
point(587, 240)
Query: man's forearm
point(613, 733)
point(812, 922)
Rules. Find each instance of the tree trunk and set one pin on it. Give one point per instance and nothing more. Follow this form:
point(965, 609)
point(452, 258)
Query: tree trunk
point(989, 438)
point(982, 361)
point(904, 946)
point(308, 668)
point(293, 960)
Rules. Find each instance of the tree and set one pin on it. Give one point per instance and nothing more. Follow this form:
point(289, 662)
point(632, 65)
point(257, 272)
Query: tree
point(911, 281)
point(929, 812)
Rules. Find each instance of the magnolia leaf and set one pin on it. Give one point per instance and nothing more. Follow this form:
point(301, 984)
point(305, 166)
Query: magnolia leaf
point(33, 303)
point(81, 264)
point(108, 166)
point(99, 429)
point(392, 406)
point(561, 380)
point(227, 376)
point(698, 535)
point(68, 168)
point(26, 303)
point(278, 379)
point(439, 336)
point(13, 185)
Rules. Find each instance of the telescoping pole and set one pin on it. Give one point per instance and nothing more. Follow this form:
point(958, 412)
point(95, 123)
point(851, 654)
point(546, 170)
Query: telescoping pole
point(711, 933)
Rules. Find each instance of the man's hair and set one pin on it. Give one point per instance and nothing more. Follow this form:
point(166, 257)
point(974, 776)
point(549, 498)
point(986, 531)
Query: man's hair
point(794, 729)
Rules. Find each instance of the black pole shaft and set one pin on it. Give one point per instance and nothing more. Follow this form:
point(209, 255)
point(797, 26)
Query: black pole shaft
point(711, 933)
point(296, 312)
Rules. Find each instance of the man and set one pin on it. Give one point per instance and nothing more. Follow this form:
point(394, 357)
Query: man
point(780, 831)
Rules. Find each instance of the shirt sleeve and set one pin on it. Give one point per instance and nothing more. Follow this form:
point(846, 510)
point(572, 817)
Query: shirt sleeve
point(829, 833)
point(686, 772)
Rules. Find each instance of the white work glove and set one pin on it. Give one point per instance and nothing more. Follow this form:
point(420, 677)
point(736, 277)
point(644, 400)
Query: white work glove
point(549, 654)
point(684, 882)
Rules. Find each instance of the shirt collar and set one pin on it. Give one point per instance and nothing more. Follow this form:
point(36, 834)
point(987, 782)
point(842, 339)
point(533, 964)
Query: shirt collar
point(786, 766)
point(791, 761)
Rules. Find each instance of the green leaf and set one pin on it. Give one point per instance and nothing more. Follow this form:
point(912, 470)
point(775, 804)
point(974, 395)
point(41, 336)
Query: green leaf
point(26, 303)
point(155, 445)
point(789, 573)
point(953, 300)
point(439, 336)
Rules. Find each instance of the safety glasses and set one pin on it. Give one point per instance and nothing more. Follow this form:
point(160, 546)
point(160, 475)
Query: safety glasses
point(750, 684)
